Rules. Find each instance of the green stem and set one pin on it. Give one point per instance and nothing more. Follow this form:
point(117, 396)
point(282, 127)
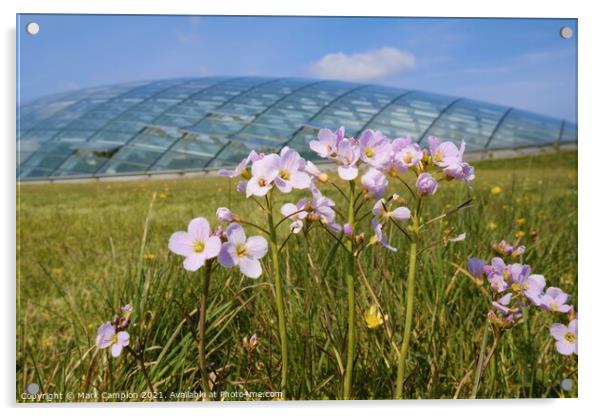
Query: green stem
point(409, 310)
point(274, 250)
point(407, 328)
point(479, 369)
point(349, 274)
point(202, 327)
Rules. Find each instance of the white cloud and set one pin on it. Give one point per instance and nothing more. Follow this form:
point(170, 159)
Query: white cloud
point(363, 66)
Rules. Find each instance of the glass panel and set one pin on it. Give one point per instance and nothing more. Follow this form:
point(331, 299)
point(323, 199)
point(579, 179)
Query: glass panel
point(468, 120)
point(569, 133)
point(83, 162)
point(155, 138)
point(521, 128)
point(135, 155)
point(200, 145)
point(411, 115)
point(180, 161)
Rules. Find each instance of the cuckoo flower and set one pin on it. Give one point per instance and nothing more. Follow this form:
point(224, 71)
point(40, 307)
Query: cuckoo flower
point(107, 337)
point(375, 149)
point(321, 208)
point(291, 171)
point(263, 172)
point(554, 300)
point(196, 245)
point(379, 236)
point(374, 182)
point(223, 214)
point(527, 284)
point(242, 252)
point(315, 172)
point(461, 171)
point(328, 142)
point(498, 274)
point(426, 184)
point(409, 155)
point(566, 337)
point(445, 154)
point(241, 169)
point(381, 212)
point(348, 156)
point(296, 213)
point(502, 305)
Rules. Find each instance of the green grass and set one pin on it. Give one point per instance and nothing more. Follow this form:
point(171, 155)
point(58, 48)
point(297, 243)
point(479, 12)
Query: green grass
point(84, 249)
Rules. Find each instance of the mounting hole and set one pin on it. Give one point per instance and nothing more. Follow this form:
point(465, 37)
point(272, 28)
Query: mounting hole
point(32, 28)
point(566, 32)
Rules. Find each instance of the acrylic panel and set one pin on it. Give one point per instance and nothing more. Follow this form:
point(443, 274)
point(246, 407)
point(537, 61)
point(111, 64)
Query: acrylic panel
point(280, 208)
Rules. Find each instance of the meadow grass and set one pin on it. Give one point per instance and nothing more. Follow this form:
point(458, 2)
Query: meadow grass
point(84, 249)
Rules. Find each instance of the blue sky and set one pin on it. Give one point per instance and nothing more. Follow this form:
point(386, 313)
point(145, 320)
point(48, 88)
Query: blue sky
point(518, 62)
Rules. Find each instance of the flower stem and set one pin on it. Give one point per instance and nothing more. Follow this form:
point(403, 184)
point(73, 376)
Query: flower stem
point(274, 250)
point(202, 327)
point(407, 327)
point(479, 370)
point(349, 275)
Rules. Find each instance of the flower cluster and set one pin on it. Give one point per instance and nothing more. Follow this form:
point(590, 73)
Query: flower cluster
point(504, 249)
point(232, 248)
point(113, 334)
point(393, 157)
point(515, 288)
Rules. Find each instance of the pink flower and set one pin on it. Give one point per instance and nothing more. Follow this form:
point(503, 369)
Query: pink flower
point(321, 209)
point(461, 171)
point(296, 213)
point(409, 156)
point(263, 172)
point(291, 171)
point(348, 156)
point(379, 236)
point(196, 245)
point(426, 184)
point(242, 166)
point(375, 149)
point(328, 142)
point(242, 252)
point(107, 337)
point(223, 214)
point(445, 154)
point(566, 337)
point(374, 182)
point(554, 300)
point(400, 213)
point(315, 172)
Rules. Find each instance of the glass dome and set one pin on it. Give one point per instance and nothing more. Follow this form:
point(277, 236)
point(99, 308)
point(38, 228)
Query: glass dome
point(206, 123)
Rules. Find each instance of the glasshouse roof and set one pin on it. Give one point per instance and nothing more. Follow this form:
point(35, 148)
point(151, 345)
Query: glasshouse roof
point(212, 122)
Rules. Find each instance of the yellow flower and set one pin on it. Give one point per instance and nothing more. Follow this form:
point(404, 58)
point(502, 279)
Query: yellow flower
point(519, 234)
point(149, 256)
point(373, 317)
point(162, 195)
point(492, 225)
point(520, 221)
point(496, 190)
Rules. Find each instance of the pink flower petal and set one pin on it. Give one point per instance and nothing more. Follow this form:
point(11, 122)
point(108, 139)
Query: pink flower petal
point(558, 331)
point(348, 173)
point(257, 247)
point(194, 262)
point(250, 267)
point(181, 243)
point(116, 350)
point(236, 234)
point(213, 246)
point(199, 229)
point(226, 256)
